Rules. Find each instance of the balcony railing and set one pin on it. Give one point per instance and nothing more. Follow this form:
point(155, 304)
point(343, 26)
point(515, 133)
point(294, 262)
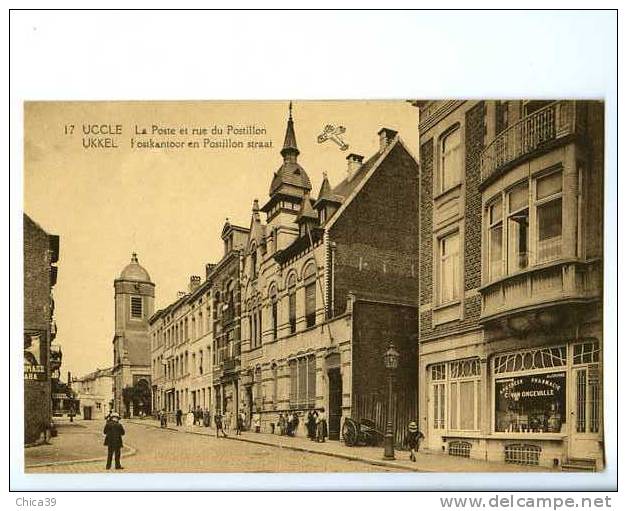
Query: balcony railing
point(531, 133)
point(547, 284)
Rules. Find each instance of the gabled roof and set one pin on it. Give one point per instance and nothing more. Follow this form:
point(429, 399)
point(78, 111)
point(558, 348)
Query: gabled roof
point(349, 189)
point(306, 211)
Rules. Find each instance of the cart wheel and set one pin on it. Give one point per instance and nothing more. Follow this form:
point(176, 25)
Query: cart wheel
point(350, 432)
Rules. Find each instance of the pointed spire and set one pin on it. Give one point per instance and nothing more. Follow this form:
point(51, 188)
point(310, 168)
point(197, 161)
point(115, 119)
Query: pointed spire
point(326, 193)
point(306, 212)
point(290, 149)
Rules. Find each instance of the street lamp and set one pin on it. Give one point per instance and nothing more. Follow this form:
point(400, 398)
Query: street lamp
point(390, 360)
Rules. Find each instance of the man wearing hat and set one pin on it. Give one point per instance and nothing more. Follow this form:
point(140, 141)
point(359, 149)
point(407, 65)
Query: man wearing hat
point(413, 439)
point(113, 432)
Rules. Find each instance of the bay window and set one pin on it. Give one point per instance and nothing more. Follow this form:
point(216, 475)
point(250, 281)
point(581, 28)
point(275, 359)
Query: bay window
point(549, 213)
point(518, 228)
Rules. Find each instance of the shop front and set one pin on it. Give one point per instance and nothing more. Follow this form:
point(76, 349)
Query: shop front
point(543, 406)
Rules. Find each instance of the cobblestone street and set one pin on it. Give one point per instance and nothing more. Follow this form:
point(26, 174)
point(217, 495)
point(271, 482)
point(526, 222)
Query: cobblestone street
point(160, 450)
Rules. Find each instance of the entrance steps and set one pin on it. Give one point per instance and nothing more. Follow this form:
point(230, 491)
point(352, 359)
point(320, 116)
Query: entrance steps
point(579, 465)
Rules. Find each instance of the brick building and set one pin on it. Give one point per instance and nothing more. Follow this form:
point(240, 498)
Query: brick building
point(134, 305)
point(41, 253)
point(181, 344)
point(511, 202)
point(327, 282)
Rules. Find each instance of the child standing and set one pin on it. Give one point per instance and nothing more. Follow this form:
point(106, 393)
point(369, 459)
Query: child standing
point(413, 439)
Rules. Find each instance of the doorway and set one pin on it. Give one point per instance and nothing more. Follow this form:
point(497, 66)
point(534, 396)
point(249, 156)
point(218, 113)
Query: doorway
point(335, 403)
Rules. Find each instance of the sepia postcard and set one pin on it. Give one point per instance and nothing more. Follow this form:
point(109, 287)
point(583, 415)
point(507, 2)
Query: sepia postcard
point(309, 286)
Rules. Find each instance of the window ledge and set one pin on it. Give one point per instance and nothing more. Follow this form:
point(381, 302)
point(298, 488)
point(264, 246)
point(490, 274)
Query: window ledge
point(438, 195)
point(446, 305)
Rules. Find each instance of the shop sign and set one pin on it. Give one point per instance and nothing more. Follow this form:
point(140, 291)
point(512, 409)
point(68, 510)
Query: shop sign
point(531, 403)
point(35, 372)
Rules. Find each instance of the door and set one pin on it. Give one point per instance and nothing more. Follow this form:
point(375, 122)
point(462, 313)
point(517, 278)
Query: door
point(87, 413)
point(335, 403)
point(585, 413)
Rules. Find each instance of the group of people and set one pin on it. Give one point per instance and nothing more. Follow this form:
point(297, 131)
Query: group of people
point(288, 423)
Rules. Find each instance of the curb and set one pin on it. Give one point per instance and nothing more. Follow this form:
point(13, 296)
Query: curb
point(131, 452)
point(350, 457)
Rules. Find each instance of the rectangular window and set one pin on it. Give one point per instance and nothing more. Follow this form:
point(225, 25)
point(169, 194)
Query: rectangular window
point(530, 403)
point(293, 383)
point(274, 319)
point(450, 159)
point(311, 381)
point(449, 285)
point(549, 217)
point(310, 304)
point(495, 239)
point(518, 228)
point(303, 382)
point(136, 307)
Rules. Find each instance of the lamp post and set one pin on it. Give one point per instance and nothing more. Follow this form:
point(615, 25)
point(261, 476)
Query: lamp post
point(390, 360)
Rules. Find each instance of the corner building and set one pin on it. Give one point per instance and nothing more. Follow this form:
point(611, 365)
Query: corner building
point(328, 281)
point(511, 247)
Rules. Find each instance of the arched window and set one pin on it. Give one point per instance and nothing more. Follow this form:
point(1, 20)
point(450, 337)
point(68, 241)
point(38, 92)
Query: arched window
point(309, 276)
point(291, 296)
point(253, 261)
point(274, 308)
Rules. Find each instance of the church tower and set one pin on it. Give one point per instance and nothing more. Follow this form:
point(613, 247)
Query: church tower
point(134, 305)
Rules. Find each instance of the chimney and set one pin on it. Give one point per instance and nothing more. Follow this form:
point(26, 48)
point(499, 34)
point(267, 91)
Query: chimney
point(180, 294)
point(194, 283)
point(208, 269)
point(354, 164)
point(386, 135)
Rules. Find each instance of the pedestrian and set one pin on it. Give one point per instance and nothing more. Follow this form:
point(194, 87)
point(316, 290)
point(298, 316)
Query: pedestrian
point(311, 424)
point(179, 417)
point(281, 424)
point(321, 426)
point(198, 415)
point(289, 423)
point(217, 418)
point(163, 419)
point(189, 419)
point(295, 422)
point(113, 432)
point(240, 422)
point(257, 422)
point(413, 438)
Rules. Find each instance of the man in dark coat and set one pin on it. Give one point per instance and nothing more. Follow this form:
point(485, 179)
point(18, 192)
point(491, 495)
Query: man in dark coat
point(179, 417)
point(114, 432)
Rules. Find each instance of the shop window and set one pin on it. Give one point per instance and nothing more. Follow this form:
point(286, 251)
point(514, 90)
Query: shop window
point(449, 288)
point(528, 400)
point(523, 454)
point(450, 159)
point(495, 239)
point(549, 217)
point(586, 353)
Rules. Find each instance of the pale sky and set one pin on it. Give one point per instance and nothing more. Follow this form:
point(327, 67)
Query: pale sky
point(168, 205)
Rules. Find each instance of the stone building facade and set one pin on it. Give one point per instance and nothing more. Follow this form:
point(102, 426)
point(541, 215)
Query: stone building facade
point(511, 202)
point(94, 394)
point(41, 253)
point(327, 282)
point(131, 370)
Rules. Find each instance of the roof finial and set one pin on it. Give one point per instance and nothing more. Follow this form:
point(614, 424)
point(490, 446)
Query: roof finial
point(290, 110)
point(134, 258)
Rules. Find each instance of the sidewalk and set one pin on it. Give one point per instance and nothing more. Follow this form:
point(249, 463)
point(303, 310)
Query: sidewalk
point(75, 443)
point(427, 461)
